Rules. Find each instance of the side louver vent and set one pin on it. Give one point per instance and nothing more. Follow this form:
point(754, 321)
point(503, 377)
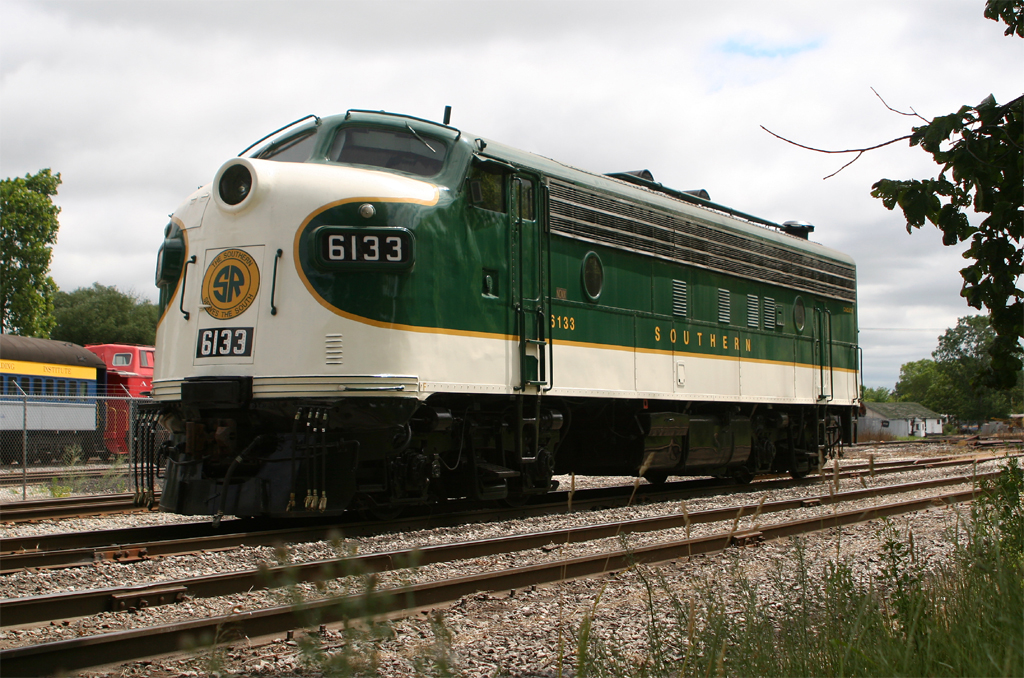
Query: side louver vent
point(769, 313)
point(679, 298)
point(595, 217)
point(333, 350)
point(753, 311)
point(724, 306)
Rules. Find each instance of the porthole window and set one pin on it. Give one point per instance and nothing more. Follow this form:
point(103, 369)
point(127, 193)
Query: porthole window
point(799, 313)
point(593, 276)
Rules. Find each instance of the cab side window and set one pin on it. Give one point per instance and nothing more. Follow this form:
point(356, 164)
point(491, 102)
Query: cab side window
point(487, 189)
point(526, 209)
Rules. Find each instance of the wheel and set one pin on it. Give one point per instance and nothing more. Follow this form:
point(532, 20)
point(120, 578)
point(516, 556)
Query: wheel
point(656, 477)
point(514, 501)
point(798, 475)
point(380, 513)
point(743, 476)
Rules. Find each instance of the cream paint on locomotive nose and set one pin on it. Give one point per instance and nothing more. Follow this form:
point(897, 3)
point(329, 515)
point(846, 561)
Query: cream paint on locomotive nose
point(284, 343)
point(230, 291)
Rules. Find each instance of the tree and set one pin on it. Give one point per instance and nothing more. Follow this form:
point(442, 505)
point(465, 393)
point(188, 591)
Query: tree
point(871, 394)
point(920, 382)
point(28, 230)
point(980, 150)
point(963, 354)
point(949, 383)
point(104, 315)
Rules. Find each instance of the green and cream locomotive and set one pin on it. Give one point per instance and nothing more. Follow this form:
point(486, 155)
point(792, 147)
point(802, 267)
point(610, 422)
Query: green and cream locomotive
point(375, 310)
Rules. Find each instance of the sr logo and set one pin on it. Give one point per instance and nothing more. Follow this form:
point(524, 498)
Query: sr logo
point(230, 285)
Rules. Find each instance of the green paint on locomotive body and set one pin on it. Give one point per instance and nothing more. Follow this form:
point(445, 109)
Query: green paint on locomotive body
point(462, 279)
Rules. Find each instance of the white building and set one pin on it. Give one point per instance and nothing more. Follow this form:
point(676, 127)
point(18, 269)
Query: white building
point(899, 420)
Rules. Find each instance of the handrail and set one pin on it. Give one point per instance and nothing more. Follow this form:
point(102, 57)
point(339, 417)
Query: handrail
point(823, 317)
point(273, 283)
point(280, 129)
point(545, 236)
point(184, 278)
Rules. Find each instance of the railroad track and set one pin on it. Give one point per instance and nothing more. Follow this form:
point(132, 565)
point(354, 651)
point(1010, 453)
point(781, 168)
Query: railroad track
point(71, 507)
point(69, 655)
point(971, 441)
point(145, 543)
point(38, 476)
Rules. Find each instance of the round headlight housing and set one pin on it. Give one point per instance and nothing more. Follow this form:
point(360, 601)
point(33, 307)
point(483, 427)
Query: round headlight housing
point(235, 184)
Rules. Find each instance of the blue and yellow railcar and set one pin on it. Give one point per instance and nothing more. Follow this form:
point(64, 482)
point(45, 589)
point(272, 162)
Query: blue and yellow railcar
point(48, 393)
point(375, 310)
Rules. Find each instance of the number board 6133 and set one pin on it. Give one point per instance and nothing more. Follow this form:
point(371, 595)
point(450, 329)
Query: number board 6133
point(338, 246)
point(220, 342)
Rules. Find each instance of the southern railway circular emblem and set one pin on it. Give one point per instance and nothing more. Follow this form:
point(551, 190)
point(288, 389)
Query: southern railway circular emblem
point(230, 285)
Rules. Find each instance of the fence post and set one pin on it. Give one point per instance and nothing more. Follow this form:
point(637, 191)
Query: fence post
point(24, 442)
point(133, 414)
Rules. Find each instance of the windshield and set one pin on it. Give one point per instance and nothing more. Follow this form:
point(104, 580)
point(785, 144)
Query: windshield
point(403, 151)
point(293, 149)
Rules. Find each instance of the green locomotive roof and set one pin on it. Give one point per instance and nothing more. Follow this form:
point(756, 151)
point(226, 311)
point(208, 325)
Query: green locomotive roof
point(711, 213)
point(693, 208)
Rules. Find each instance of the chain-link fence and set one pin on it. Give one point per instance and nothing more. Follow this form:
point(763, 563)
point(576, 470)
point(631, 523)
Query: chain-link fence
point(57, 446)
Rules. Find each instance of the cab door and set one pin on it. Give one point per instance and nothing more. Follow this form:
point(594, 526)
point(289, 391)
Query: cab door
point(529, 257)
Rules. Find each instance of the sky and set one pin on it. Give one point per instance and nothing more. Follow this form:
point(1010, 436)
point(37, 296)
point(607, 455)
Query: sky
point(138, 103)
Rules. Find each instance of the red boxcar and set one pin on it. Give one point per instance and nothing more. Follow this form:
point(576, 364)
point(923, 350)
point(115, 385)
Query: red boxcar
point(129, 373)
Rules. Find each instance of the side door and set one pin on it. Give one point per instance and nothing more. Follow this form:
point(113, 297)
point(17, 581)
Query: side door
point(529, 257)
point(823, 353)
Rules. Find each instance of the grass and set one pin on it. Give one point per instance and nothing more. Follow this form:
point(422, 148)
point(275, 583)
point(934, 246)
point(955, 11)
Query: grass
point(65, 486)
point(114, 479)
point(879, 436)
point(963, 619)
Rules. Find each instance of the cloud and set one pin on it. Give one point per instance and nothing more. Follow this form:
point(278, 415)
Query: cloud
point(138, 103)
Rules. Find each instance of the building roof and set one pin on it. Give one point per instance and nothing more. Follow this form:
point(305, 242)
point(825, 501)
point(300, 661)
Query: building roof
point(901, 411)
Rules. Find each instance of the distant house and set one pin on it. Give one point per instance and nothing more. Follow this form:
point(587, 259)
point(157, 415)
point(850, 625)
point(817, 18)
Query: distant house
point(899, 420)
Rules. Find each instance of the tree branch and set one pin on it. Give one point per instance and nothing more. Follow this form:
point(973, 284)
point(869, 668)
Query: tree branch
point(912, 114)
point(849, 150)
point(858, 151)
point(855, 159)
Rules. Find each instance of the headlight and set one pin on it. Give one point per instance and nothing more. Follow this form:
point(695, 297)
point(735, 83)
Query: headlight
point(235, 184)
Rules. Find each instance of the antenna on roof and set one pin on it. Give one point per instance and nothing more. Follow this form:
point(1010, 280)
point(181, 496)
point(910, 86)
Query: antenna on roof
point(447, 114)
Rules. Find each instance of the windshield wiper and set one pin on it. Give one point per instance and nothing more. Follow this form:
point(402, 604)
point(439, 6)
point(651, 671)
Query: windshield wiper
point(409, 127)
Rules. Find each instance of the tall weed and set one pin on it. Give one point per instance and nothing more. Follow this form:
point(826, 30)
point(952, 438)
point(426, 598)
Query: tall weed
point(963, 617)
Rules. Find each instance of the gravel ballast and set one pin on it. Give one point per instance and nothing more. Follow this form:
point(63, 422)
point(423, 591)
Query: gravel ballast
point(527, 633)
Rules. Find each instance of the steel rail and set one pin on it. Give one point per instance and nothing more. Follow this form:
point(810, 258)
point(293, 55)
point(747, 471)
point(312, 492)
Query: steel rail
point(38, 551)
point(949, 440)
point(35, 477)
point(34, 609)
point(69, 507)
point(78, 653)
point(89, 505)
